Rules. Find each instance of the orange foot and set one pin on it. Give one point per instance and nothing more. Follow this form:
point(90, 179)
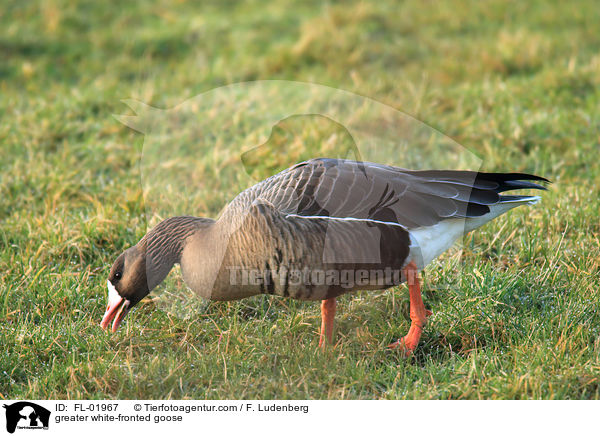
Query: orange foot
point(418, 313)
point(327, 317)
point(409, 342)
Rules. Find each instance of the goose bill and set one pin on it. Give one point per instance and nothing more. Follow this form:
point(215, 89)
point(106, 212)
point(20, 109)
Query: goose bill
point(117, 308)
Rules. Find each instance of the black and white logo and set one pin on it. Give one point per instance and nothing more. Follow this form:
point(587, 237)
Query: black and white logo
point(26, 415)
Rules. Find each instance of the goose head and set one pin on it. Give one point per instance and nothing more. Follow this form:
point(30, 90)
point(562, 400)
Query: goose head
point(144, 266)
point(127, 285)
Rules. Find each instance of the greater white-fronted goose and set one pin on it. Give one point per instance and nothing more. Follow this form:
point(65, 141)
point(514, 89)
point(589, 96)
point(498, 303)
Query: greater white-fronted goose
point(318, 230)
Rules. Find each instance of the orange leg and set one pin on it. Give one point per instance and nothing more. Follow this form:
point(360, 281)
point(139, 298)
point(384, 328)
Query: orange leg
point(327, 316)
point(418, 313)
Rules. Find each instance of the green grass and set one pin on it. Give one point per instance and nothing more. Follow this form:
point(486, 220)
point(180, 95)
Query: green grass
point(517, 84)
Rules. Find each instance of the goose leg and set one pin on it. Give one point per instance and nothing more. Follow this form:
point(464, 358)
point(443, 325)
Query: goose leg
point(418, 313)
point(327, 316)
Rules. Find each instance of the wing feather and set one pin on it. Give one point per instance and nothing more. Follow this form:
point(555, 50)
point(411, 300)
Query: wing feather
point(342, 189)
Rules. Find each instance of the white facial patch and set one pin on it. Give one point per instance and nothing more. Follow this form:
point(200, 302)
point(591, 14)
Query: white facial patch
point(113, 295)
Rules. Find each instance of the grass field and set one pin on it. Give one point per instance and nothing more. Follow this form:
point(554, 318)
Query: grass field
point(518, 84)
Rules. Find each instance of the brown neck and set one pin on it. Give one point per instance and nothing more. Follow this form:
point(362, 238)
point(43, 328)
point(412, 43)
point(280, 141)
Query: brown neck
point(164, 244)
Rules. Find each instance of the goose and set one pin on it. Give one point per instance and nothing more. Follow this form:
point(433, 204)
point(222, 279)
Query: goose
point(320, 229)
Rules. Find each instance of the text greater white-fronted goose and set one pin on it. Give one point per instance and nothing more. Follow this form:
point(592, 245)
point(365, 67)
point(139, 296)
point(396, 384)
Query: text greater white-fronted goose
point(318, 230)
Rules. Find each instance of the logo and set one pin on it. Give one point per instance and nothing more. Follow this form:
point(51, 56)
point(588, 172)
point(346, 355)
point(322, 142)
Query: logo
point(26, 415)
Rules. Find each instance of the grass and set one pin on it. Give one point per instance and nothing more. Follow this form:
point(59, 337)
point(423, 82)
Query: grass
point(517, 84)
